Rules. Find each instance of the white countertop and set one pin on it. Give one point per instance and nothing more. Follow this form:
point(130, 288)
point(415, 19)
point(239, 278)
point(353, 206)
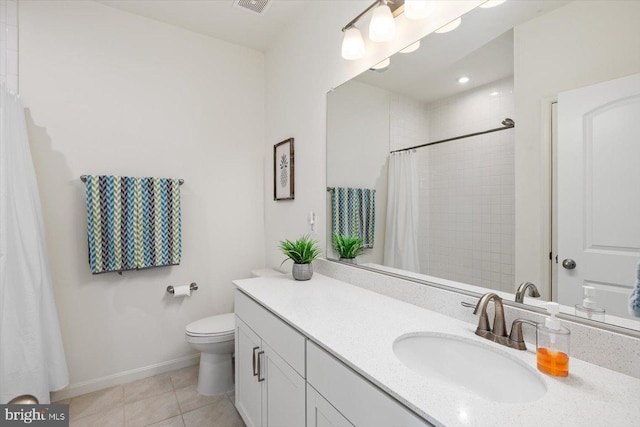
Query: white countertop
point(359, 327)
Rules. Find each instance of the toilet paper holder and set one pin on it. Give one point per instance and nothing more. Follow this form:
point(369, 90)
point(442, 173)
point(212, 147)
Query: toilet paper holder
point(192, 287)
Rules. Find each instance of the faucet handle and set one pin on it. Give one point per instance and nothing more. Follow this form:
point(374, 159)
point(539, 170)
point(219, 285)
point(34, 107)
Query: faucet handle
point(515, 337)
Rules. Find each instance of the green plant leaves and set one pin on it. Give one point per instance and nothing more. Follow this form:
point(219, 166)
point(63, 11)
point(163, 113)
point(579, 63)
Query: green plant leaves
point(301, 251)
point(347, 247)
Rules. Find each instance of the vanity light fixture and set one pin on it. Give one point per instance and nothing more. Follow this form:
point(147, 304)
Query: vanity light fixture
point(450, 26)
point(411, 48)
point(463, 80)
point(352, 44)
point(492, 3)
point(382, 27)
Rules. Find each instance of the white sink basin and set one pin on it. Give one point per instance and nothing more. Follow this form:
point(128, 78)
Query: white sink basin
point(487, 371)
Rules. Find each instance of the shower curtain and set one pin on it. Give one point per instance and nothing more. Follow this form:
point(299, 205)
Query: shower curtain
point(401, 231)
point(31, 353)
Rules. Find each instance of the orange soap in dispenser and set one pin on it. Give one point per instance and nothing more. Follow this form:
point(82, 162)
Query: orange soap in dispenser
point(553, 344)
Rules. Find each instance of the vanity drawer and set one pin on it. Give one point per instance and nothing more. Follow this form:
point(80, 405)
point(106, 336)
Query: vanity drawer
point(282, 338)
point(357, 399)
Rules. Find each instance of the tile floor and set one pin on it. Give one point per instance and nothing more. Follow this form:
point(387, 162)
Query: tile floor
point(167, 400)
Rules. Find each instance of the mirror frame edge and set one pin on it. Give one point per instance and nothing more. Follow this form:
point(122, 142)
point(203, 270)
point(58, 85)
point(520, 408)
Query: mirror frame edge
point(526, 307)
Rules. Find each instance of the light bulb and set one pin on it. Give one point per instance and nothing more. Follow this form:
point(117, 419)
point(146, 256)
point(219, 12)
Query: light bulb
point(352, 44)
point(492, 3)
point(382, 27)
point(418, 9)
point(411, 48)
point(382, 65)
point(464, 79)
point(450, 26)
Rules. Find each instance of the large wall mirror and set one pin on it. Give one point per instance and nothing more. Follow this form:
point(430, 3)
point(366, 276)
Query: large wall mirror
point(502, 152)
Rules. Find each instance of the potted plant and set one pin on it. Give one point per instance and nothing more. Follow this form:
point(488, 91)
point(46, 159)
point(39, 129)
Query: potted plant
point(347, 247)
point(302, 252)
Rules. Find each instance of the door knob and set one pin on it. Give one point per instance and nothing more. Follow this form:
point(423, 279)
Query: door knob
point(569, 264)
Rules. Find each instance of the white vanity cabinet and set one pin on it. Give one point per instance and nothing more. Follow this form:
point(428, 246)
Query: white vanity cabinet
point(355, 399)
point(283, 379)
point(270, 368)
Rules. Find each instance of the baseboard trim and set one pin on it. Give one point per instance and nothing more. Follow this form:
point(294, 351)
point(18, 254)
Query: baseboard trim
point(84, 387)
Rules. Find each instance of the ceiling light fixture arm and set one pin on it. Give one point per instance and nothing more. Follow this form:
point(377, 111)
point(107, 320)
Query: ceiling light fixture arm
point(373, 5)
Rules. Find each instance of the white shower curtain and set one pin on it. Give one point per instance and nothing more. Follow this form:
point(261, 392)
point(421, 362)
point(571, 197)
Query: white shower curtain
point(401, 231)
point(31, 353)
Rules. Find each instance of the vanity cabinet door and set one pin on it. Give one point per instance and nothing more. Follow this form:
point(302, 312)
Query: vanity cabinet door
point(284, 392)
point(270, 366)
point(248, 389)
point(321, 413)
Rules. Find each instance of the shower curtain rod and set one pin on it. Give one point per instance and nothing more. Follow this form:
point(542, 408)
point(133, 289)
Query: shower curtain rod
point(83, 178)
point(506, 124)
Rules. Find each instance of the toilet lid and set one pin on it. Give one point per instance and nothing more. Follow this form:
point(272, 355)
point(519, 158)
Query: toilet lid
point(221, 324)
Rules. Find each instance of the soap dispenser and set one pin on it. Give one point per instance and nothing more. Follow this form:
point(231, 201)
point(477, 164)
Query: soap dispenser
point(553, 344)
point(589, 309)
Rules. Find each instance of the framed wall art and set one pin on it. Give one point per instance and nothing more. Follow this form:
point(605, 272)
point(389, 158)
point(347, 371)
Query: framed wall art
point(283, 170)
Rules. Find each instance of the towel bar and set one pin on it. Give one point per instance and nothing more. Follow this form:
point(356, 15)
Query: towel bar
point(192, 287)
point(83, 178)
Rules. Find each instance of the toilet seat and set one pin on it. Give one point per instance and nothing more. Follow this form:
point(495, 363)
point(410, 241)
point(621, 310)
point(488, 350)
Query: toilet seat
point(215, 328)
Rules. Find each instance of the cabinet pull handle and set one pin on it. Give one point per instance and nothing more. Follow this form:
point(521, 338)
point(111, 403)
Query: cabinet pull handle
point(260, 368)
point(255, 373)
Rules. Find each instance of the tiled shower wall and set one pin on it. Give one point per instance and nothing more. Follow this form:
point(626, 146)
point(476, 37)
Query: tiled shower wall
point(467, 222)
point(9, 44)
point(471, 211)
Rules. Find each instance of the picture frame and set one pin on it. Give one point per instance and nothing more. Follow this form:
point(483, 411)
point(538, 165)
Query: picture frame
point(283, 170)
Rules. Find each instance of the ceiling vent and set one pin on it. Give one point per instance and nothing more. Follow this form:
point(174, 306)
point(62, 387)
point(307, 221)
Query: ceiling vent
point(257, 7)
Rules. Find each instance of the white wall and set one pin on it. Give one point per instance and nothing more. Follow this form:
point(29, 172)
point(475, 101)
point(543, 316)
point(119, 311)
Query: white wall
point(107, 92)
point(579, 44)
point(301, 67)
point(358, 141)
point(409, 122)
point(9, 44)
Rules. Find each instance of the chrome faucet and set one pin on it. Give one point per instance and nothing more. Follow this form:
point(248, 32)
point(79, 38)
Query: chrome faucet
point(498, 332)
point(522, 290)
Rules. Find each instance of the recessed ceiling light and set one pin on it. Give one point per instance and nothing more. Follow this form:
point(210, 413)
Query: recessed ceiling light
point(464, 79)
point(495, 93)
point(492, 3)
point(450, 26)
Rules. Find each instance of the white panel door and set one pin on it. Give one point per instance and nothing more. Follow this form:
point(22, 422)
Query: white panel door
point(284, 395)
point(248, 389)
point(599, 192)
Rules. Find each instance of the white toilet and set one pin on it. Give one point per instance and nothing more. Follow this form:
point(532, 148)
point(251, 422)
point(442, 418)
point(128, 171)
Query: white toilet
point(214, 338)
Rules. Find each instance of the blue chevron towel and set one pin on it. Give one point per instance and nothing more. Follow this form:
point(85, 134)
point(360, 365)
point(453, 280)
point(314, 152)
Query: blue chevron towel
point(634, 298)
point(132, 223)
point(354, 213)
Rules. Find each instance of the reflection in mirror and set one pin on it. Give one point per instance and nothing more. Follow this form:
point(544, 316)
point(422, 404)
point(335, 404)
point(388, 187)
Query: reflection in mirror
point(457, 198)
